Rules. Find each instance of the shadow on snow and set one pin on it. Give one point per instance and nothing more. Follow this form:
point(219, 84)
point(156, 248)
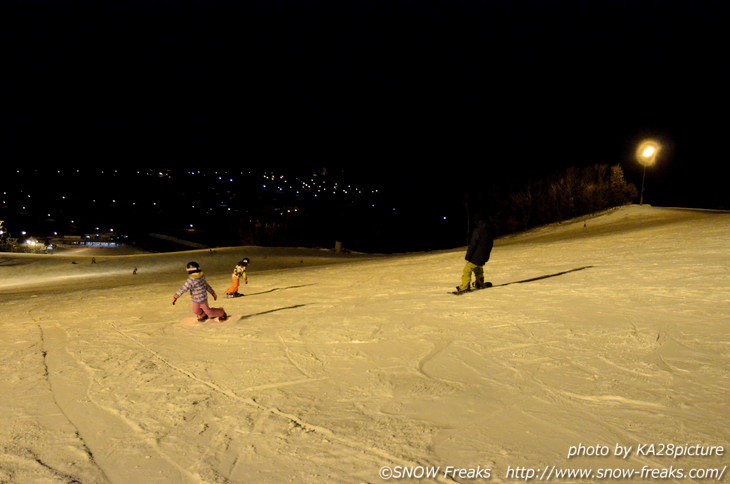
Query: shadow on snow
point(538, 278)
point(272, 311)
point(277, 289)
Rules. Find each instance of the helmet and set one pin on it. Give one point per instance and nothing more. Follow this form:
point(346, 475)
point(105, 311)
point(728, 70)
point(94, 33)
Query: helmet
point(245, 261)
point(193, 267)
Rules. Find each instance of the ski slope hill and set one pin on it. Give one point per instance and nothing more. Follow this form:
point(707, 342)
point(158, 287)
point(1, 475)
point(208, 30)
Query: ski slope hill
point(602, 333)
point(103, 267)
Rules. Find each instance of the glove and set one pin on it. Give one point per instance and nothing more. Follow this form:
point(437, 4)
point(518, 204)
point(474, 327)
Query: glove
point(174, 298)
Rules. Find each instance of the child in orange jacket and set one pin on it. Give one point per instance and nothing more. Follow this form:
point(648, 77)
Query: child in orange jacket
point(239, 272)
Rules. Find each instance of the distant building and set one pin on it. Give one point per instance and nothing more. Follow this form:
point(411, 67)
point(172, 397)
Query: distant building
point(87, 240)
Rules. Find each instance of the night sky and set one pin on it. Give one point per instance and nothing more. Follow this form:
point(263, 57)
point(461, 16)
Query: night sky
point(423, 96)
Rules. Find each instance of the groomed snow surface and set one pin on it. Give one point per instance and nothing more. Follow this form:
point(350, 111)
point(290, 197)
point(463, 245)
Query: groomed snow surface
point(601, 332)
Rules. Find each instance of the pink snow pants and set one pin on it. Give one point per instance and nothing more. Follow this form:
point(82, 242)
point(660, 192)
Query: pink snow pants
point(200, 308)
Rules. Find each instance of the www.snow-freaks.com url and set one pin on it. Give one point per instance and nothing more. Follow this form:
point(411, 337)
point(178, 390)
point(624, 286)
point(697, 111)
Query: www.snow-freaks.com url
point(553, 473)
point(549, 473)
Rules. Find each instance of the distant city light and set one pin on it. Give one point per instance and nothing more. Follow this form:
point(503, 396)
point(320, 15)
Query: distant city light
point(99, 202)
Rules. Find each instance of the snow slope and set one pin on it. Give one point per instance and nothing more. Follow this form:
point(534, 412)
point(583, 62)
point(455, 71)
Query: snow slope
point(605, 331)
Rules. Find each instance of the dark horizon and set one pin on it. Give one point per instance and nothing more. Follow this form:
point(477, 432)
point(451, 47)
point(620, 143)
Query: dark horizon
point(313, 206)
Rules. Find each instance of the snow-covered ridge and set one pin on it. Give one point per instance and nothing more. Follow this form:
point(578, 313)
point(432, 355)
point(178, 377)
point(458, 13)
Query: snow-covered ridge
point(76, 268)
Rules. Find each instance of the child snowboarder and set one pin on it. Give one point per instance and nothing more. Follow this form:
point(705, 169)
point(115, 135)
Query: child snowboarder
point(239, 272)
point(199, 289)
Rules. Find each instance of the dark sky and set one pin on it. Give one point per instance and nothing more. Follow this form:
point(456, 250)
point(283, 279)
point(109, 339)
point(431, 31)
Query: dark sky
point(509, 88)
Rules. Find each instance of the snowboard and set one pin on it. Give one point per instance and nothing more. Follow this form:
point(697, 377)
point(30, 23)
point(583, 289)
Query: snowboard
point(193, 321)
point(472, 289)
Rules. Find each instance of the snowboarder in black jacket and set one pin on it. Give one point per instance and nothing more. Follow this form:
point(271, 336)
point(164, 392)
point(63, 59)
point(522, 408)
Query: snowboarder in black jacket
point(477, 254)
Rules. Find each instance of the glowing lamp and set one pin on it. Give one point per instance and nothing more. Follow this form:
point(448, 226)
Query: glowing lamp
point(646, 155)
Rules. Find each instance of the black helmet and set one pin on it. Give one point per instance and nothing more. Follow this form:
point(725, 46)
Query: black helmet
point(193, 267)
point(245, 261)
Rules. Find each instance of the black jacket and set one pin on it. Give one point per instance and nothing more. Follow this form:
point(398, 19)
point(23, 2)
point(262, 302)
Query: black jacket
point(480, 244)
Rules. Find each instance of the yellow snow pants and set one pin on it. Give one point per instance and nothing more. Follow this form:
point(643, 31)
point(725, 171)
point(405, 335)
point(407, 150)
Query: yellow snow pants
point(470, 268)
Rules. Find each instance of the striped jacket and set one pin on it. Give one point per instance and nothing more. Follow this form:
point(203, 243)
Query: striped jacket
point(198, 287)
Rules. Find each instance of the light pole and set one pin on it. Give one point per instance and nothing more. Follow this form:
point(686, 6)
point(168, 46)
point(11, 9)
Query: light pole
point(646, 155)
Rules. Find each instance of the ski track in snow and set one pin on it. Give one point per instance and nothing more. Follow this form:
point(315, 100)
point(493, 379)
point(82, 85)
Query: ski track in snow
point(45, 344)
point(587, 337)
point(91, 409)
point(307, 427)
